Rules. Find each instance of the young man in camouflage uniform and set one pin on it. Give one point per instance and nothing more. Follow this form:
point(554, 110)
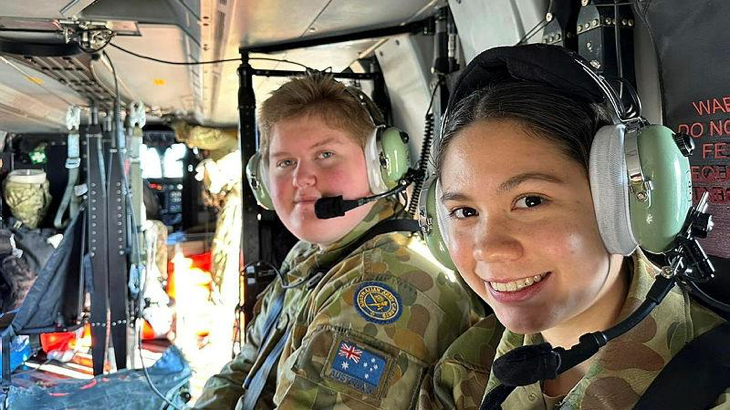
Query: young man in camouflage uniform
point(525, 237)
point(361, 334)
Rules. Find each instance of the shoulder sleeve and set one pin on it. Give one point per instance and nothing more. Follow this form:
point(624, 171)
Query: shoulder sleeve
point(223, 390)
point(373, 328)
point(459, 378)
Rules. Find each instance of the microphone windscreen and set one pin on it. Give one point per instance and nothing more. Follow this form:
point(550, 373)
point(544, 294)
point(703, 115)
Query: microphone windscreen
point(526, 365)
point(329, 207)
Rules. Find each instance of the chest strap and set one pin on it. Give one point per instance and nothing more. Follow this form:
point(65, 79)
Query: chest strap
point(694, 377)
point(254, 384)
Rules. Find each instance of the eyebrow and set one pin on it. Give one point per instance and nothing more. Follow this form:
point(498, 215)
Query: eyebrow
point(518, 179)
point(326, 141)
point(506, 185)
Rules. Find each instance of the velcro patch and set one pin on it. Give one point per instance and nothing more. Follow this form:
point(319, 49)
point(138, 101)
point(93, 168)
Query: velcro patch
point(378, 303)
point(361, 368)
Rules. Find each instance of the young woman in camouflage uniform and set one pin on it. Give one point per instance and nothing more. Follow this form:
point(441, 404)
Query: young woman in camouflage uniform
point(524, 236)
point(362, 335)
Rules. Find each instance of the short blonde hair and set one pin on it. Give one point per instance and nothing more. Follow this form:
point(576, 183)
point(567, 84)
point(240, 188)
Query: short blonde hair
point(315, 94)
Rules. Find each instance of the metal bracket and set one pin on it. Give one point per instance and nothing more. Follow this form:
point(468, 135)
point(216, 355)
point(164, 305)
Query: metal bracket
point(73, 118)
point(137, 114)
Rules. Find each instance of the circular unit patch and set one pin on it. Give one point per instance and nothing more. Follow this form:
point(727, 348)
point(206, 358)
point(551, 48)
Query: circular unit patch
point(377, 302)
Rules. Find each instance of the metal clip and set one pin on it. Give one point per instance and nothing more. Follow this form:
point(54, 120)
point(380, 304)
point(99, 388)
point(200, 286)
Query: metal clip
point(137, 115)
point(73, 118)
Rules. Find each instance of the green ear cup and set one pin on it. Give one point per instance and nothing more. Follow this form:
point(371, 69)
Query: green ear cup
point(256, 180)
point(429, 221)
point(657, 220)
point(394, 156)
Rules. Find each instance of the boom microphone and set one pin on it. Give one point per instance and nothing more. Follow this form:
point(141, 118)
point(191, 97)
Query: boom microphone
point(335, 206)
point(527, 364)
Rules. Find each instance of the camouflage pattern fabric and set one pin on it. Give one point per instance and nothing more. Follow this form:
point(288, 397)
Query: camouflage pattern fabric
point(157, 231)
point(361, 337)
point(28, 202)
point(218, 141)
point(619, 375)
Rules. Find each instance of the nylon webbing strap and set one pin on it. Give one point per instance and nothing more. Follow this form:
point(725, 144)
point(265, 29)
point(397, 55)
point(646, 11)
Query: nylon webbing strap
point(255, 385)
point(135, 181)
point(97, 247)
point(276, 308)
point(695, 376)
point(72, 164)
point(117, 244)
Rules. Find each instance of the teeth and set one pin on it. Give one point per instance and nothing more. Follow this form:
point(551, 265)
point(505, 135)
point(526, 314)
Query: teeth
point(518, 284)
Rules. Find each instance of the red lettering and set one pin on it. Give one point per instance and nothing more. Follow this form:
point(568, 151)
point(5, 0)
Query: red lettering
point(710, 173)
point(702, 107)
point(716, 106)
point(726, 101)
point(720, 149)
point(716, 127)
point(707, 149)
point(696, 130)
point(717, 194)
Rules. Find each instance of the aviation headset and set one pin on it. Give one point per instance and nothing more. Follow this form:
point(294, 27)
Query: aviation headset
point(387, 157)
point(639, 174)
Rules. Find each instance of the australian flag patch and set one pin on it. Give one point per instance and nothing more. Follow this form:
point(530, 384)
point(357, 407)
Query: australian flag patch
point(358, 367)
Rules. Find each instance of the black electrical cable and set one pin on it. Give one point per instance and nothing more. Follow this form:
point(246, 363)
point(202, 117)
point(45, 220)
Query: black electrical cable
point(425, 153)
point(147, 375)
point(225, 60)
point(531, 33)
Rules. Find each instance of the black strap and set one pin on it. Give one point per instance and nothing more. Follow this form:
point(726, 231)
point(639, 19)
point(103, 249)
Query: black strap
point(255, 385)
point(694, 377)
point(98, 243)
point(116, 247)
point(494, 399)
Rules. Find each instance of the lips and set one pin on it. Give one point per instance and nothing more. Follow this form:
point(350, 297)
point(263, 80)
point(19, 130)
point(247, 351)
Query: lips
point(305, 199)
point(518, 284)
point(510, 293)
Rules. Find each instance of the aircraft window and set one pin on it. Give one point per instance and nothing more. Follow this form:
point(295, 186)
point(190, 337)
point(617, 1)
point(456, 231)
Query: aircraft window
point(173, 162)
point(151, 164)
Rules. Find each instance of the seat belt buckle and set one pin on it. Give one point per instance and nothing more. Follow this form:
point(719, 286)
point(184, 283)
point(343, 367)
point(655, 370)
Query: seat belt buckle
point(73, 163)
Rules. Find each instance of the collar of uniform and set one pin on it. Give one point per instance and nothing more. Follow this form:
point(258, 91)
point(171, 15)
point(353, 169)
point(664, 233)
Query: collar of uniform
point(383, 209)
point(632, 360)
point(306, 256)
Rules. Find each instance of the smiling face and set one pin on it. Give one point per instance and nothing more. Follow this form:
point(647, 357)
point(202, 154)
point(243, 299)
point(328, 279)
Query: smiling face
point(523, 233)
point(308, 160)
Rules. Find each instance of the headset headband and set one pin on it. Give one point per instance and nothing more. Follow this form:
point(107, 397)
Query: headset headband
point(551, 65)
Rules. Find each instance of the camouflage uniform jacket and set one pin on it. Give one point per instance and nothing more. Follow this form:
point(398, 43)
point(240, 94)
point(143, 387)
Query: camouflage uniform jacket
point(620, 374)
point(363, 336)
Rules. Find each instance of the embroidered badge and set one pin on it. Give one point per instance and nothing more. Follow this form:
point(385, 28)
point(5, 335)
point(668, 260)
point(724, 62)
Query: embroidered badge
point(357, 367)
point(377, 303)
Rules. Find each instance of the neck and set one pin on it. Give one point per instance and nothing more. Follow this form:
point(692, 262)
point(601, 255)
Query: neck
point(601, 315)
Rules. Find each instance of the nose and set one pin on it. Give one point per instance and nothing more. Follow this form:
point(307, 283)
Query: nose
point(496, 242)
point(304, 175)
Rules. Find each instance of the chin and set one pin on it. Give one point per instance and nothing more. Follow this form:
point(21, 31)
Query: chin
point(524, 324)
point(316, 231)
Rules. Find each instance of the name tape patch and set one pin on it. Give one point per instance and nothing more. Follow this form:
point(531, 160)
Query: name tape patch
point(358, 367)
point(378, 303)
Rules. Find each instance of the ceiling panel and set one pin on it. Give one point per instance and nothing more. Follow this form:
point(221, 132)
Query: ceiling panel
point(256, 22)
point(32, 95)
point(49, 9)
